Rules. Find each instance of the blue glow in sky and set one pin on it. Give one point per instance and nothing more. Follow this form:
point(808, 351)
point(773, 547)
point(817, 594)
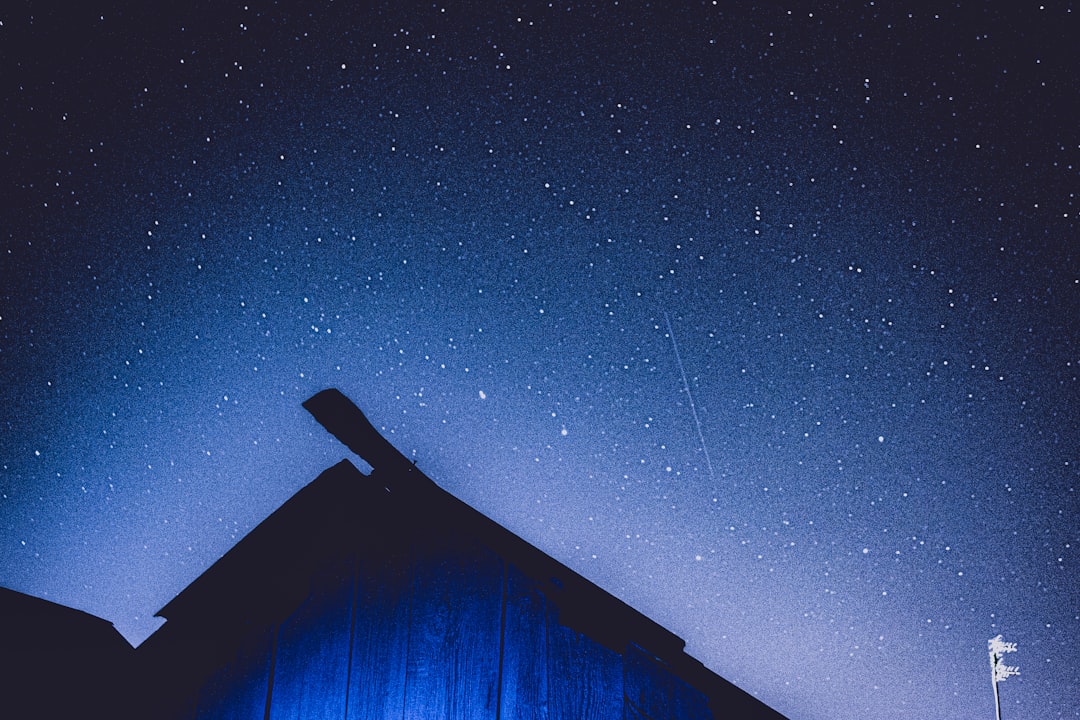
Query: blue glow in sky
point(484, 226)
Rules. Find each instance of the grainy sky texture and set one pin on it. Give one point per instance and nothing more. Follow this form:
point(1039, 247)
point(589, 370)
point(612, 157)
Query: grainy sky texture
point(762, 317)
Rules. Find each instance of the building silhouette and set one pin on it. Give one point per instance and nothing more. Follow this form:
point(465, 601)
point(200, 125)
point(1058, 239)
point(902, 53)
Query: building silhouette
point(56, 662)
point(381, 595)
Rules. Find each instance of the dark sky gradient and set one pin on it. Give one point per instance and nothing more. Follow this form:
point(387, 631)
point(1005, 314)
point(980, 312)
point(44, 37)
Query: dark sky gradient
point(860, 222)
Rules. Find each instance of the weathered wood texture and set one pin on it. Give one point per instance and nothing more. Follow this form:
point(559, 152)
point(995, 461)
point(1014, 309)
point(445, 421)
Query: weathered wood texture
point(380, 635)
point(454, 630)
point(654, 693)
point(585, 679)
point(525, 650)
point(416, 611)
point(311, 671)
point(440, 629)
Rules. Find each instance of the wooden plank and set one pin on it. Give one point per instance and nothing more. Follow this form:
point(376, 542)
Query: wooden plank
point(653, 693)
point(238, 690)
point(454, 630)
point(311, 670)
point(524, 694)
point(644, 698)
point(380, 633)
point(585, 679)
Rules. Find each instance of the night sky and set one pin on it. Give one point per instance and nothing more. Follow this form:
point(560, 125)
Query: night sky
point(763, 318)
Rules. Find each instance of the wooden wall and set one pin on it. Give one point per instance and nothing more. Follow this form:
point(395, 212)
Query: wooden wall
point(437, 626)
point(381, 596)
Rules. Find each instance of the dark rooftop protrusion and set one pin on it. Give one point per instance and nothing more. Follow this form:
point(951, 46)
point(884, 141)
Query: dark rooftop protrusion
point(347, 423)
point(412, 599)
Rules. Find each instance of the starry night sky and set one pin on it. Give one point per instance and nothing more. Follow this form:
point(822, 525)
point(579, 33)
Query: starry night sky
point(763, 318)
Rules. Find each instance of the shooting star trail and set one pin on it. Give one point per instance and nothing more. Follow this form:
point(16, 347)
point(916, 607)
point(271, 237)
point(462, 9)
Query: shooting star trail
point(686, 385)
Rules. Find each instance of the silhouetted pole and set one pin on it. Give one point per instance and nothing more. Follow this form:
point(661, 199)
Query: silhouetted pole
point(999, 670)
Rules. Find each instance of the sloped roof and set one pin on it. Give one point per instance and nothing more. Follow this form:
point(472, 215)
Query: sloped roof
point(268, 573)
point(56, 661)
point(33, 624)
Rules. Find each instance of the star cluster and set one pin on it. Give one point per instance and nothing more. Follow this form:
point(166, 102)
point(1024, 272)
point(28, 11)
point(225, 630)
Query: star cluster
point(761, 317)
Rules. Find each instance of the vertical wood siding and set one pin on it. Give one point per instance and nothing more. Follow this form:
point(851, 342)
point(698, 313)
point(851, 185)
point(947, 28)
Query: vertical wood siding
point(380, 635)
point(525, 650)
point(585, 679)
point(440, 627)
point(654, 693)
point(454, 630)
point(311, 671)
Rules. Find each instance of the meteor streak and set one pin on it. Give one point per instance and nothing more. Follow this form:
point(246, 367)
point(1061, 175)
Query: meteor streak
point(686, 386)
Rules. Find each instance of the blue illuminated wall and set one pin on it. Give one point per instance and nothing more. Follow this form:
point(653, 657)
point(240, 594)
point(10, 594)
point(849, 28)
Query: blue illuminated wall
point(380, 595)
point(377, 597)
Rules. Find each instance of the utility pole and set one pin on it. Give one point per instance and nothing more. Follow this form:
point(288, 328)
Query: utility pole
point(1000, 671)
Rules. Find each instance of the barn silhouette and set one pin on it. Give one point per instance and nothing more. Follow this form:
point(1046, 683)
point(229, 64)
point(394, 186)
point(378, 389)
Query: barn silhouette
point(381, 595)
